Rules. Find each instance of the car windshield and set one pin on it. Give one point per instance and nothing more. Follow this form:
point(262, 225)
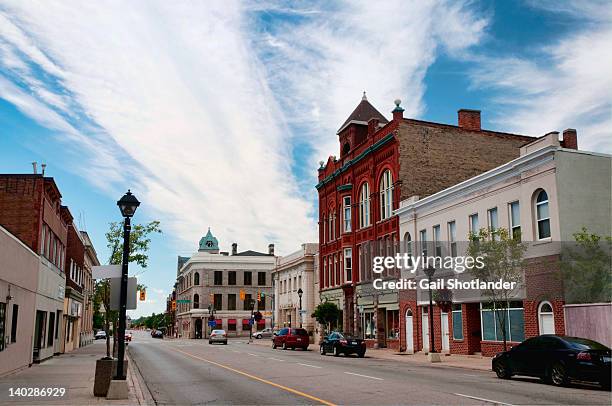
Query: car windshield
point(299, 332)
point(584, 344)
point(218, 331)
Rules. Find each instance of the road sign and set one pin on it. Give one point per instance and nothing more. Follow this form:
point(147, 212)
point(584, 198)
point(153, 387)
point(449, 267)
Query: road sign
point(212, 323)
point(183, 301)
point(106, 271)
point(115, 292)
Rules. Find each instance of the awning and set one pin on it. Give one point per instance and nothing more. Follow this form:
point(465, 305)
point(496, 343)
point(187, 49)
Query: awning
point(262, 321)
point(218, 321)
point(231, 321)
point(245, 321)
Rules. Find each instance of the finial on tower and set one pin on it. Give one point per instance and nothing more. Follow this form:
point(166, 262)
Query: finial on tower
point(364, 97)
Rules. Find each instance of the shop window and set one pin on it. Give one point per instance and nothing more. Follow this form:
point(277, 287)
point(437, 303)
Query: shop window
point(457, 322)
point(492, 316)
point(393, 324)
point(369, 327)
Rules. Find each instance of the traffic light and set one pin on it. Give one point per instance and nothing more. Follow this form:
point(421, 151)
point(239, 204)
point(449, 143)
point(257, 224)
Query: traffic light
point(242, 294)
point(142, 295)
point(259, 296)
point(263, 297)
point(174, 305)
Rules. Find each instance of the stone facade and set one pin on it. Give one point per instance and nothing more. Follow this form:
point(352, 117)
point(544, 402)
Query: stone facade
point(292, 273)
point(212, 283)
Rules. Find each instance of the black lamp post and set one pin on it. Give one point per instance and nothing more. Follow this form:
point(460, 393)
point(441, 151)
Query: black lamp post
point(430, 273)
point(300, 293)
point(128, 205)
point(252, 305)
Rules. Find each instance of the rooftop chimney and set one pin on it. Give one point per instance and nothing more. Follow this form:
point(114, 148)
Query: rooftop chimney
point(43, 166)
point(398, 112)
point(234, 248)
point(34, 167)
point(570, 139)
point(469, 119)
point(271, 249)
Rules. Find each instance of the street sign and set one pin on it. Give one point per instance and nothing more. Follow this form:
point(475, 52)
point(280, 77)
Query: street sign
point(212, 323)
point(115, 293)
point(106, 271)
point(183, 301)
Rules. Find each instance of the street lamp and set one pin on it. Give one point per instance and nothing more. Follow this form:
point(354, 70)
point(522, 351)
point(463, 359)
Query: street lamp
point(252, 305)
point(429, 271)
point(128, 205)
point(300, 293)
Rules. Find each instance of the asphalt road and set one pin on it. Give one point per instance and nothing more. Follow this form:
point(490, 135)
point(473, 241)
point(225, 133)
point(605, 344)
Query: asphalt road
point(194, 372)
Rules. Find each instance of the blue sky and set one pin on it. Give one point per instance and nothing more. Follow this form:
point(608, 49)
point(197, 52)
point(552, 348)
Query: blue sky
point(216, 114)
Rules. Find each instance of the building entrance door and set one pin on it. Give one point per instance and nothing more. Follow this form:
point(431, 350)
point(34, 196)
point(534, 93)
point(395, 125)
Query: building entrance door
point(444, 332)
point(409, 332)
point(425, 329)
point(198, 328)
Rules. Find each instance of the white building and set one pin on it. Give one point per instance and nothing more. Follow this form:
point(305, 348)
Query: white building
point(219, 284)
point(294, 273)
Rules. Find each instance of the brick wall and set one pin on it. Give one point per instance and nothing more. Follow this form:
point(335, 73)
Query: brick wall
point(20, 207)
point(436, 156)
point(75, 251)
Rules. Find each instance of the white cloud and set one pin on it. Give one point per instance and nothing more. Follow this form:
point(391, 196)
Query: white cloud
point(567, 86)
point(203, 100)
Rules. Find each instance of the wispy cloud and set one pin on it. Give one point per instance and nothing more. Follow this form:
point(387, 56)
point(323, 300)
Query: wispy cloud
point(567, 85)
point(207, 103)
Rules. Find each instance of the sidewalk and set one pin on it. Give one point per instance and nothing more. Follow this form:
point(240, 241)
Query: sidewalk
point(473, 362)
point(73, 371)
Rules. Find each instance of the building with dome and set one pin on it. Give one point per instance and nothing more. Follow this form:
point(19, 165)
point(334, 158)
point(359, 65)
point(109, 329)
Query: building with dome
point(221, 285)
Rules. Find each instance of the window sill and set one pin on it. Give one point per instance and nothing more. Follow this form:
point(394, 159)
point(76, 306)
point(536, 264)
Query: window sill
point(542, 241)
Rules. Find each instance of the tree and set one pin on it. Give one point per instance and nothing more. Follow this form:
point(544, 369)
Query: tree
point(503, 259)
point(140, 241)
point(327, 313)
point(586, 268)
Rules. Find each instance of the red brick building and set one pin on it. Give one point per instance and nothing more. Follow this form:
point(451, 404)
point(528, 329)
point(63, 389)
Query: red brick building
point(382, 162)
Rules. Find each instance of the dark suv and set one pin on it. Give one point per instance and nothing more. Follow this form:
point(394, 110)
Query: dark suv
point(291, 338)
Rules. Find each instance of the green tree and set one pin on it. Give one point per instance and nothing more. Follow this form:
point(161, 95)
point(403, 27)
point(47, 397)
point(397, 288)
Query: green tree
point(503, 259)
point(140, 240)
point(327, 313)
point(586, 268)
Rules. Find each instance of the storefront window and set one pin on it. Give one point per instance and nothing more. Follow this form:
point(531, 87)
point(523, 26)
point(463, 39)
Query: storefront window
point(369, 327)
point(514, 326)
point(457, 322)
point(392, 324)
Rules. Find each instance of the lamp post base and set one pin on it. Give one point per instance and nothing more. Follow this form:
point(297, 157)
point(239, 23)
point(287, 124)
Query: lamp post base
point(434, 357)
point(118, 390)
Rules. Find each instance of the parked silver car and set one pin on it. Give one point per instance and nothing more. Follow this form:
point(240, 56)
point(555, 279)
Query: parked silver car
point(265, 333)
point(218, 336)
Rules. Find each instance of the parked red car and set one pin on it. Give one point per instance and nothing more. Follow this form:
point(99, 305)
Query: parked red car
point(291, 338)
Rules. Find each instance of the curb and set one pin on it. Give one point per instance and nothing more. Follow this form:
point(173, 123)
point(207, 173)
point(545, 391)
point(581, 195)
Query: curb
point(137, 383)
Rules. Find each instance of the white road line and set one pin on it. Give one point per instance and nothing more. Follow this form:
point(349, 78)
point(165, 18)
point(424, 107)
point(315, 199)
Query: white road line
point(365, 376)
point(253, 355)
point(276, 359)
point(477, 376)
point(495, 402)
point(237, 352)
point(308, 365)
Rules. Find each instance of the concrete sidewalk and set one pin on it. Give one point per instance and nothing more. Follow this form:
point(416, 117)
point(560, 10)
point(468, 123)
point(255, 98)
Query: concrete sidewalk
point(473, 362)
point(74, 372)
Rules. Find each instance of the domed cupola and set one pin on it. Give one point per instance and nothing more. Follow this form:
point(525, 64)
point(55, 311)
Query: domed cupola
point(209, 243)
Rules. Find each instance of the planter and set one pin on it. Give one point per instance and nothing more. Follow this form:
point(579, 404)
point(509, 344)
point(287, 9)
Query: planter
point(106, 368)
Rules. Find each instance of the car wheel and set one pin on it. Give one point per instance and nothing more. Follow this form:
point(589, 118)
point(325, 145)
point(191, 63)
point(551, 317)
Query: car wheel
point(258, 336)
point(304, 348)
point(336, 352)
point(605, 383)
point(361, 354)
point(558, 375)
point(209, 342)
point(321, 350)
point(284, 347)
point(273, 345)
point(502, 370)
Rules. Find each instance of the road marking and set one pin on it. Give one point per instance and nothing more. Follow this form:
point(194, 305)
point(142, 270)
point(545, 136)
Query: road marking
point(252, 355)
point(308, 365)
point(365, 376)
point(495, 402)
point(276, 359)
point(277, 385)
point(477, 376)
point(237, 352)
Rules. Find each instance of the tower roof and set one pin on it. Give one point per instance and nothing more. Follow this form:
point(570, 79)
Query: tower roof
point(362, 114)
point(209, 243)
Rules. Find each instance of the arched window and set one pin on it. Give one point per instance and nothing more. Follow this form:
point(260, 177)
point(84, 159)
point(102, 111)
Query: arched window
point(196, 278)
point(324, 225)
point(364, 206)
point(196, 301)
point(542, 215)
point(408, 247)
point(546, 318)
point(386, 195)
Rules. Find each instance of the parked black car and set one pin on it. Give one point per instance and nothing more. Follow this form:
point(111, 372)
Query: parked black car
point(557, 360)
point(342, 343)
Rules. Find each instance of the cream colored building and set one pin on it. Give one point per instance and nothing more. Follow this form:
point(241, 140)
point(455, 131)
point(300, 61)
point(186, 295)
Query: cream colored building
point(211, 282)
point(295, 272)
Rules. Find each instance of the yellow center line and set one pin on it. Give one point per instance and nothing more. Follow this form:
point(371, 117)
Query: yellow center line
point(277, 385)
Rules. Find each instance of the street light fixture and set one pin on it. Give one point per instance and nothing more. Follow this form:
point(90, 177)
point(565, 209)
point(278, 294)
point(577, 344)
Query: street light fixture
point(430, 271)
point(128, 205)
point(300, 292)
